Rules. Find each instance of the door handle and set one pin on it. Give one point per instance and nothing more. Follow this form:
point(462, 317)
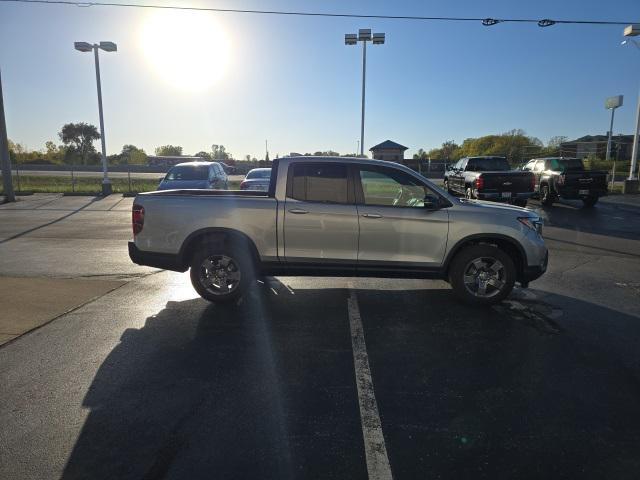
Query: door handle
point(298, 211)
point(372, 215)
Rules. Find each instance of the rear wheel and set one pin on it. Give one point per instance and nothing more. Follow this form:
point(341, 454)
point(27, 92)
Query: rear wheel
point(446, 186)
point(545, 196)
point(589, 201)
point(468, 193)
point(482, 275)
point(220, 273)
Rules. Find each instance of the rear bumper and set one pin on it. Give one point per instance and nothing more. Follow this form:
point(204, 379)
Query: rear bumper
point(164, 261)
point(497, 196)
point(574, 193)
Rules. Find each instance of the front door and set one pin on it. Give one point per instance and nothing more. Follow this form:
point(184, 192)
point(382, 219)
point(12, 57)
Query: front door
point(320, 216)
point(396, 230)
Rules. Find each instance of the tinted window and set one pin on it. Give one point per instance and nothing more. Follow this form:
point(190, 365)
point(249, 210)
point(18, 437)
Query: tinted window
point(488, 164)
point(188, 172)
point(391, 188)
point(319, 183)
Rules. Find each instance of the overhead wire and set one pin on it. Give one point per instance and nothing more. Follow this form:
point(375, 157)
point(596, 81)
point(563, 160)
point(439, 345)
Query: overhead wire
point(545, 22)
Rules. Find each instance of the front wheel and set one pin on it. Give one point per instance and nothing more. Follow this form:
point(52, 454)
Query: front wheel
point(221, 274)
point(589, 201)
point(446, 187)
point(482, 275)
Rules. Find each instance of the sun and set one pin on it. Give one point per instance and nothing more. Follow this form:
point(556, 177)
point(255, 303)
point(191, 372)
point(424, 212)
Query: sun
point(189, 50)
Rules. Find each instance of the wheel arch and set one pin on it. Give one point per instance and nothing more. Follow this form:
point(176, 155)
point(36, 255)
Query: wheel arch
point(215, 234)
point(505, 243)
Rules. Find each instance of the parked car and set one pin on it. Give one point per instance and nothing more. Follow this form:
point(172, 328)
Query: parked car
point(336, 217)
point(559, 177)
point(489, 178)
point(199, 175)
point(257, 179)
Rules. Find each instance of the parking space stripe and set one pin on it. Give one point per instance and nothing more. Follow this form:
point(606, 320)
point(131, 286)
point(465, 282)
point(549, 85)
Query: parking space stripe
point(378, 466)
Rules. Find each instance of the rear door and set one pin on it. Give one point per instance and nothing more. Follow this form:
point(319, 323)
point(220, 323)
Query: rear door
point(320, 218)
point(396, 230)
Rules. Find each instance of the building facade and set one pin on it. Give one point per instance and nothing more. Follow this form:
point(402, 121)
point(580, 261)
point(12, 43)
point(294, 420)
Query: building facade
point(582, 147)
point(389, 151)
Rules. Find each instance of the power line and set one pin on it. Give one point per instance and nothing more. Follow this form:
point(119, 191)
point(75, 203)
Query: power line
point(545, 22)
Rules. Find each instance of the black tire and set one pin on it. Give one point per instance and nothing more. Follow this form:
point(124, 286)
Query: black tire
point(589, 201)
point(227, 264)
point(546, 198)
point(446, 186)
point(497, 283)
point(468, 193)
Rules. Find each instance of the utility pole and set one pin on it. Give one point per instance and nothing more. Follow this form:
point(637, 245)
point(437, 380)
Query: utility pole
point(4, 153)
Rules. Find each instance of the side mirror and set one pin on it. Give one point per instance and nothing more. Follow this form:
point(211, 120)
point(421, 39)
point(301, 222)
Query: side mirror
point(431, 202)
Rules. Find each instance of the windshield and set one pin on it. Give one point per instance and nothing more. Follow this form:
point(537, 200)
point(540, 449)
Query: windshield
point(488, 164)
point(256, 174)
point(567, 165)
point(188, 172)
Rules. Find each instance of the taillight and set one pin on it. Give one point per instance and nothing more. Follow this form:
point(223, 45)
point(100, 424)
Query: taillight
point(533, 182)
point(479, 183)
point(137, 218)
point(243, 185)
point(561, 179)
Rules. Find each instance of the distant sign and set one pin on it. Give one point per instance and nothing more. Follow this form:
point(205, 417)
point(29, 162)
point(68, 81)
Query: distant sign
point(613, 102)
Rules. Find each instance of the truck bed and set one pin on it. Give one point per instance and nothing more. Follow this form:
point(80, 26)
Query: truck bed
point(207, 193)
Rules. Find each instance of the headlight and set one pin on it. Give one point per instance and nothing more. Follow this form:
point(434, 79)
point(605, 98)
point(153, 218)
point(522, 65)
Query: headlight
point(534, 223)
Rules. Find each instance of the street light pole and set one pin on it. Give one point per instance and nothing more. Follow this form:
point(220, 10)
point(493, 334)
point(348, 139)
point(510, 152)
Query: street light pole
point(106, 183)
point(107, 47)
point(364, 36)
point(364, 84)
point(631, 184)
point(5, 160)
point(608, 155)
point(634, 151)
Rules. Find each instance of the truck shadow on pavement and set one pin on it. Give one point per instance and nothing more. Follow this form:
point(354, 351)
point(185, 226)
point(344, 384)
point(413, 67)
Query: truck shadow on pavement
point(604, 219)
point(266, 389)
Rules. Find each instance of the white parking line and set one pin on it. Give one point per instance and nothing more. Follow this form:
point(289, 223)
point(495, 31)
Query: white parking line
point(375, 450)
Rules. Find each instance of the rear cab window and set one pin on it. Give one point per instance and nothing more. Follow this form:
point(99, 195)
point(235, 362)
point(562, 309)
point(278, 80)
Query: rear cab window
point(324, 183)
point(492, 164)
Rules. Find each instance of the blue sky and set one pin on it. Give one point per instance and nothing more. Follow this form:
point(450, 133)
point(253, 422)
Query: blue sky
point(292, 80)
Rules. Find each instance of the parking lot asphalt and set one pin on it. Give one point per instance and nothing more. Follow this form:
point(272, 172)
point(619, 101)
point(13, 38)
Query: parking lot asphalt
point(150, 381)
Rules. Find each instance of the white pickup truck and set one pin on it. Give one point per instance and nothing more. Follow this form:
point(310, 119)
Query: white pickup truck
point(325, 216)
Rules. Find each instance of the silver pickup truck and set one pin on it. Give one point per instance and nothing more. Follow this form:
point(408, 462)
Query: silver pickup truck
point(325, 216)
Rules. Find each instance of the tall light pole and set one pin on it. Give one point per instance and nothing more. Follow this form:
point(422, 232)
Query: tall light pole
point(631, 185)
point(5, 160)
point(364, 36)
point(107, 47)
point(612, 103)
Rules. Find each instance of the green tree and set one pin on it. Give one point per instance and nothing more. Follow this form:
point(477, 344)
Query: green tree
point(421, 155)
point(169, 151)
point(133, 155)
point(218, 152)
point(203, 154)
point(79, 138)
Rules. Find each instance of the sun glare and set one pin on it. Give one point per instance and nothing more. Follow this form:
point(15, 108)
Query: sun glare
point(189, 50)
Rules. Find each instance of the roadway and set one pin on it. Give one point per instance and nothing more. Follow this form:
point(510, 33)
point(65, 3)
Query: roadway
point(150, 381)
point(137, 175)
